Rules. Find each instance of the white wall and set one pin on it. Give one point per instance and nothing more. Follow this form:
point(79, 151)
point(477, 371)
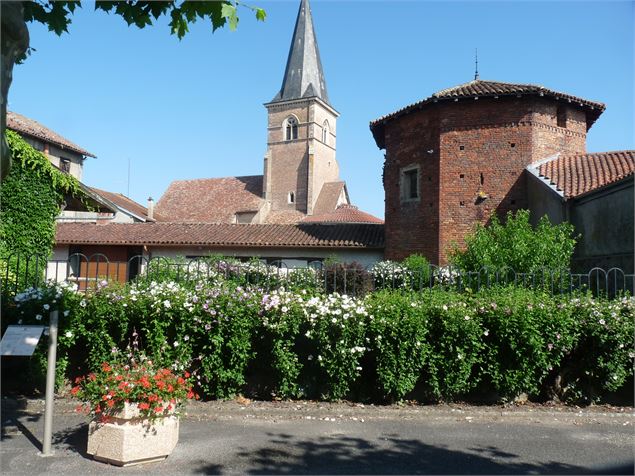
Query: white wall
point(292, 257)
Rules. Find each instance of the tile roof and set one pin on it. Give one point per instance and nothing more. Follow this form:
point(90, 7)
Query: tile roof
point(575, 175)
point(482, 88)
point(124, 202)
point(24, 125)
point(284, 217)
point(344, 235)
point(344, 214)
point(214, 200)
point(328, 197)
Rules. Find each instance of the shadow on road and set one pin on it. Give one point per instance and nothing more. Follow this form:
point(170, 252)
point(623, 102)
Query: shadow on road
point(286, 454)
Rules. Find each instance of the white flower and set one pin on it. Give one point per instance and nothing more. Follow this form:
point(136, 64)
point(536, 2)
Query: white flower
point(602, 321)
point(66, 313)
point(38, 317)
point(175, 344)
point(310, 357)
point(445, 308)
point(285, 308)
point(459, 356)
point(83, 303)
point(167, 304)
point(46, 307)
point(69, 334)
point(186, 338)
point(467, 318)
point(486, 332)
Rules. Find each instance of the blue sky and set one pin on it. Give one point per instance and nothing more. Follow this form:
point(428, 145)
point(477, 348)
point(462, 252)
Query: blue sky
point(193, 109)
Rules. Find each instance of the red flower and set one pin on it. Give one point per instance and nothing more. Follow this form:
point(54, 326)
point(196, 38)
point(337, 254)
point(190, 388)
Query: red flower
point(75, 390)
point(158, 409)
point(180, 380)
point(144, 406)
point(106, 367)
point(110, 403)
point(187, 375)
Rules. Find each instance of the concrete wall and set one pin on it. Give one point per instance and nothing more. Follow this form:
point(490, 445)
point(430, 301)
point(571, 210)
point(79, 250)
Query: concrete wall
point(605, 220)
point(56, 154)
point(544, 201)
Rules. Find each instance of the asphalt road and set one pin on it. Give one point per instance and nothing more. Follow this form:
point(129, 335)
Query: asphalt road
point(308, 438)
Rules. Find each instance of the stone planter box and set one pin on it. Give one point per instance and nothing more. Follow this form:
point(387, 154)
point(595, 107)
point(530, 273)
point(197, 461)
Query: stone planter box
point(128, 438)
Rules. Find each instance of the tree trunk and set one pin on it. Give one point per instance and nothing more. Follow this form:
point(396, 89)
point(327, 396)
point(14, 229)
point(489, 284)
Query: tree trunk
point(15, 42)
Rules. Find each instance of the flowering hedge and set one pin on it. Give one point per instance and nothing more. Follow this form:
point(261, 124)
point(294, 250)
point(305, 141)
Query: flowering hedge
point(390, 345)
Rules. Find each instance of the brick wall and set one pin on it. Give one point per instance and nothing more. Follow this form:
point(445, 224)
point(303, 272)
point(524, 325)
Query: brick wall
point(472, 156)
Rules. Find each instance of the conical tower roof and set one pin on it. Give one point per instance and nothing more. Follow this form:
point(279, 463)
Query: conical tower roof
point(303, 76)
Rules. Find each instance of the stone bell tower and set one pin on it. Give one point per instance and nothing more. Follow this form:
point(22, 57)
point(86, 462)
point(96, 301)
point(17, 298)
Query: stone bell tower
point(302, 128)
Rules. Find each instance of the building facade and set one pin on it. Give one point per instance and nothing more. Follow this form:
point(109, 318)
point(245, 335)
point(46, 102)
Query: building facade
point(459, 156)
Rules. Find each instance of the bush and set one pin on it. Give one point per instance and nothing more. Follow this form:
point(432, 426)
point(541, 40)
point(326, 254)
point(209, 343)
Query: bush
point(398, 339)
point(517, 245)
point(390, 344)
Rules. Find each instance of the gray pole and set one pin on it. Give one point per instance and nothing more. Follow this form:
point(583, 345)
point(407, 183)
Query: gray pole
point(50, 386)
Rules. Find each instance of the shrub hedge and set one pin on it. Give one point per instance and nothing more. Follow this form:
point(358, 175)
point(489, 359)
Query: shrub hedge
point(435, 345)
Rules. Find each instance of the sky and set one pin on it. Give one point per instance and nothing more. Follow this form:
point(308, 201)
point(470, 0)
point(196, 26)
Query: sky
point(193, 108)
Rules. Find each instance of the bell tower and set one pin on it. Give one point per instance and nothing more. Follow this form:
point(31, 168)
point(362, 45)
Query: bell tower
point(302, 127)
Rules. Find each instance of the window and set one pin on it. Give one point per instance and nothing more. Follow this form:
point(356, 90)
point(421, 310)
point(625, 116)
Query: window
point(561, 114)
point(410, 184)
point(291, 197)
point(291, 128)
point(325, 132)
point(65, 165)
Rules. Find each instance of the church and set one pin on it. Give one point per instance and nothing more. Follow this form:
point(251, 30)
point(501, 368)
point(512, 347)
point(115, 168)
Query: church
point(296, 213)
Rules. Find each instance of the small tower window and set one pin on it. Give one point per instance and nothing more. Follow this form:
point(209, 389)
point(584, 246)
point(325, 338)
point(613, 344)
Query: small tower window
point(65, 165)
point(291, 197)
point(410, 184)
point(561, 116)
point(291, 128)
point(325, 132)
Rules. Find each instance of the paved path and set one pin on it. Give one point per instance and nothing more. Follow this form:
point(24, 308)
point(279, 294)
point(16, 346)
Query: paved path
point(312, 438)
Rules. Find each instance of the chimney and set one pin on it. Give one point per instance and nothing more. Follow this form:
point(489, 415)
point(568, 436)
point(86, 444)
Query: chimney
point(150, 208)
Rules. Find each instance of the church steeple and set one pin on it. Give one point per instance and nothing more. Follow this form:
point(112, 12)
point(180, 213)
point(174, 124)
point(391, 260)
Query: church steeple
point(303, 76)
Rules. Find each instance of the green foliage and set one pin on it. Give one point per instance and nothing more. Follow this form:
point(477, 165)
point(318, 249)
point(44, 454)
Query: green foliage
point(517, 245)
point(31, 196)
point(57, 15)
point(398, 336)
point(527, 334)
point(456, 337)
point(419, 268)
point(434, 345)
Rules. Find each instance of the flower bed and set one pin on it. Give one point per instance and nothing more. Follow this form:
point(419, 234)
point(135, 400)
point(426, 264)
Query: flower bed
point(431, 345)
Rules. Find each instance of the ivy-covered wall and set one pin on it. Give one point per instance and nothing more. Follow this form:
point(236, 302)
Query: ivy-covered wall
point(30, 199)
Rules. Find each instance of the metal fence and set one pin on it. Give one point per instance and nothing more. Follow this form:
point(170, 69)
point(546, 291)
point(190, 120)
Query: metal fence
point(91, 272)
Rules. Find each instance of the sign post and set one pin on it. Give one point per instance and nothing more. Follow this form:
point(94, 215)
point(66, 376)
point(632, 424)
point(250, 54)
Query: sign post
point(50, 385)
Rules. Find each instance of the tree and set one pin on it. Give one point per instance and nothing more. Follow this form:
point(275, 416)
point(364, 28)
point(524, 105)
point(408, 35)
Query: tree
point(56, 15)
point(517, 245)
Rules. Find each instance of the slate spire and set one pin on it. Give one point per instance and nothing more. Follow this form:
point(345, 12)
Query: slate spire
point(303, 76)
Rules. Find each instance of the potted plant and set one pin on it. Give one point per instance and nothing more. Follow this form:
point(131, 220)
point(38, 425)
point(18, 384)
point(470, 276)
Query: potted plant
point(135, 406)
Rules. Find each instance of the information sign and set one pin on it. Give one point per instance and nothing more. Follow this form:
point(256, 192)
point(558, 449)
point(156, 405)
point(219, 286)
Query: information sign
point(20, 340)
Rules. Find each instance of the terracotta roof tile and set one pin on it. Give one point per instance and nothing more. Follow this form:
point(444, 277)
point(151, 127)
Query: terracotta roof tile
point(214, 200)
point(284, 217)
point(344, 214)
point(124, 202)
point(575, 175)
point(26, 126)
point(329, 195)
point(482, 88)
point(223, 235)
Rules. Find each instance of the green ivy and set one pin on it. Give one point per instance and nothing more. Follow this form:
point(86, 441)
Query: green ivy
point(31, 196)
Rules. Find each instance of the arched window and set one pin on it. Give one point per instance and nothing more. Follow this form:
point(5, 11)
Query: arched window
point(291, 128)
point(325, 132)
